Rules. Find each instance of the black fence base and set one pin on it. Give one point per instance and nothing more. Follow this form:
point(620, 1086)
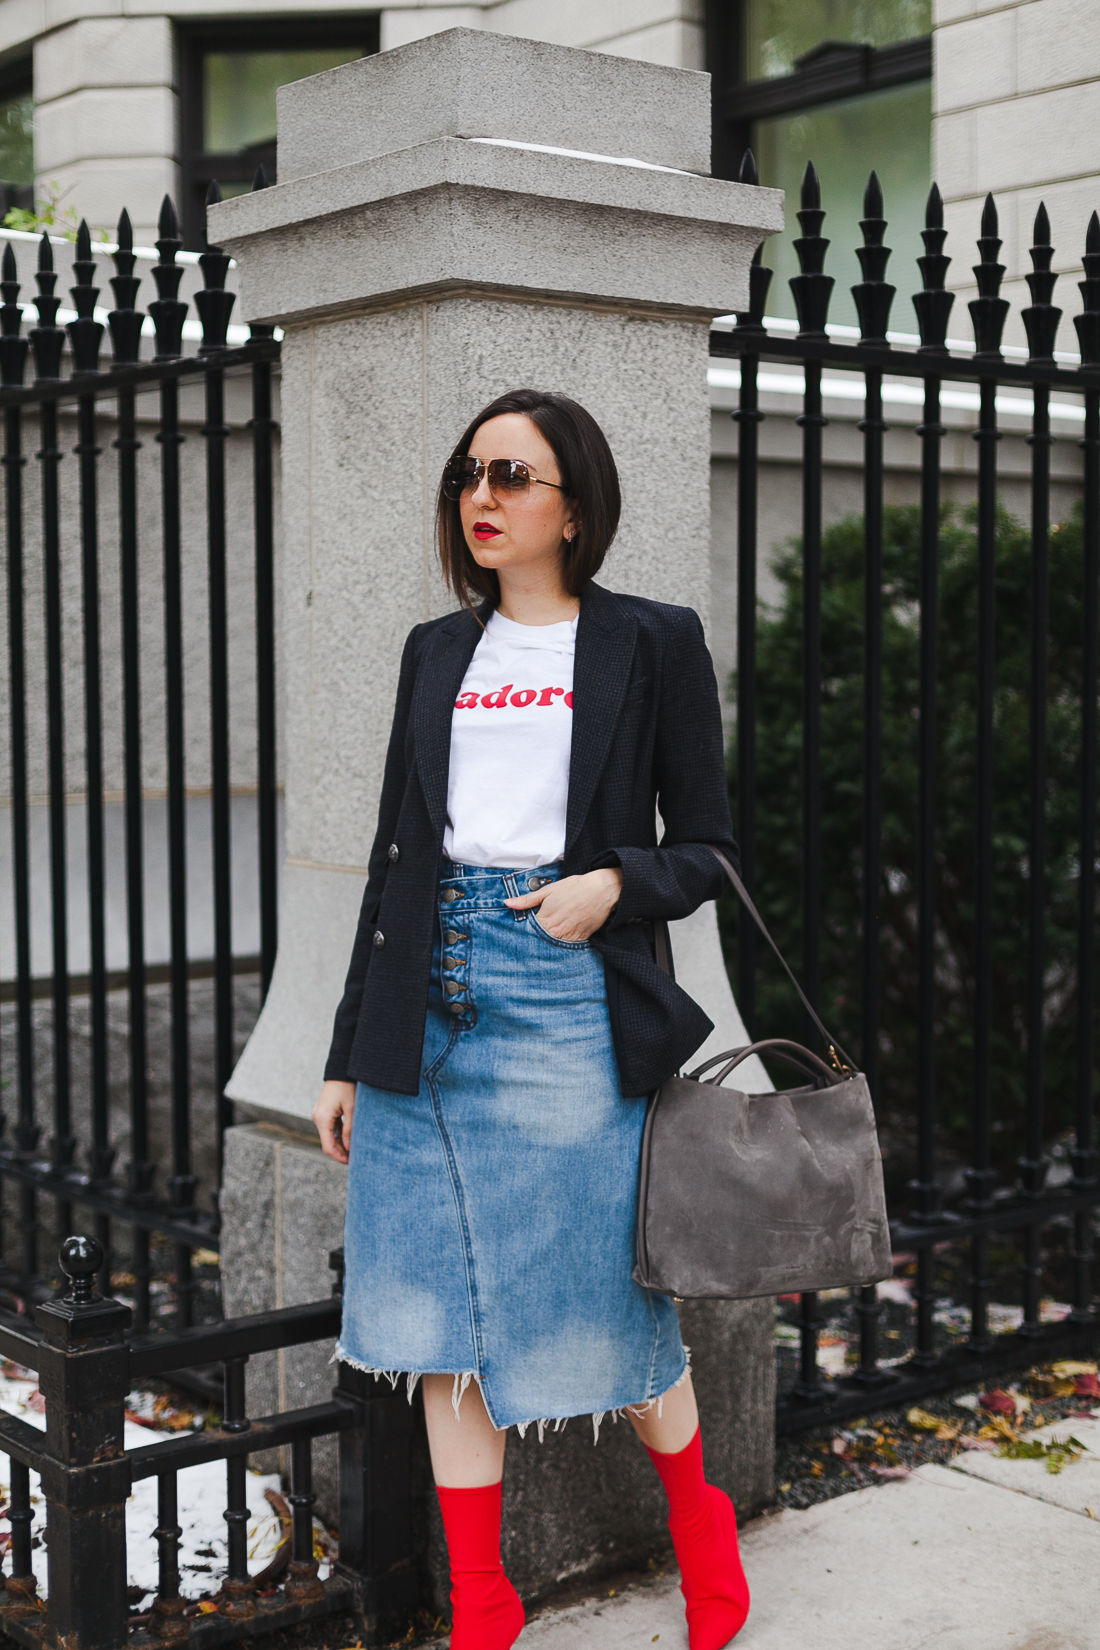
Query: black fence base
point(846, 1397)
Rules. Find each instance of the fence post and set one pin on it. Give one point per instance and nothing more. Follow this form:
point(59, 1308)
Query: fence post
point(375, 1492)
point(375, 1499)
point(84, 1377)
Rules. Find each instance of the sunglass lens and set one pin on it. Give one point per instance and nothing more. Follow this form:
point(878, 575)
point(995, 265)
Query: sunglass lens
point(459, 474)
point(508, 475)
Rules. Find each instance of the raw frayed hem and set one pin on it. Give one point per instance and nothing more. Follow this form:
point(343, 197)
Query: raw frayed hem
point(599, 1416)
point(461, 1380)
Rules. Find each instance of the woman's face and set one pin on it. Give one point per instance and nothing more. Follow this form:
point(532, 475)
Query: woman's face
point(517, 532)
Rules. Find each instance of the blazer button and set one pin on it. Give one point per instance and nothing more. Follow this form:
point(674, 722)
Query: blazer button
point(379, 938)
point(394, 853)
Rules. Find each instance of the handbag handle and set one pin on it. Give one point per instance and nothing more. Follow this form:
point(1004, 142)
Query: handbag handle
point(804, 1058)
point(840, 1060)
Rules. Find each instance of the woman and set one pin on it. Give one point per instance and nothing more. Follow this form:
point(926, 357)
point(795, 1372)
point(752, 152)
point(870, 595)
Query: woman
point(504, 1018)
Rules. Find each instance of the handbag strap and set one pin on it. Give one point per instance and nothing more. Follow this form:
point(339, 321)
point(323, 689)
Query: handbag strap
point(840, 1060)
point(811, 1064)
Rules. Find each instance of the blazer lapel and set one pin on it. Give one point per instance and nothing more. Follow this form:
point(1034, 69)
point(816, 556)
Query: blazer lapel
point(437, 683)
point(601, 670)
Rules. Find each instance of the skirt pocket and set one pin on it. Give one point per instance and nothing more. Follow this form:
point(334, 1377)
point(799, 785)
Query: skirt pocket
point(564, 945)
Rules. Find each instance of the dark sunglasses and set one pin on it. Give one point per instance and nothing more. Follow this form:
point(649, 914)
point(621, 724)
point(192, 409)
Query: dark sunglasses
point(506, 475)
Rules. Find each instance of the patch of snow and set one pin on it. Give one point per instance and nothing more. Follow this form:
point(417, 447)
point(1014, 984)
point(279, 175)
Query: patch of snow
point(201, 1492)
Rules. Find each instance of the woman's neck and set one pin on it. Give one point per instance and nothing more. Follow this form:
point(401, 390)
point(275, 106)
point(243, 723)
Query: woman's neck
point(535, 601)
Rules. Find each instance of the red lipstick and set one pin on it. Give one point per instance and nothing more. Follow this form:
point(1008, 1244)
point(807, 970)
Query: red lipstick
point(485, 530)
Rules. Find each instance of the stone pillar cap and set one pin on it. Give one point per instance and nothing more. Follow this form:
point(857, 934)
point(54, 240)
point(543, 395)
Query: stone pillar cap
point(501, 216)
point(477, 83)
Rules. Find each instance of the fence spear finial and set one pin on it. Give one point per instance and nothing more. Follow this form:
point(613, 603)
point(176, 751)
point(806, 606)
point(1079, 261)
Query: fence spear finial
point(988, 310)
point(167, 311)
point(1041, 318)
point(872, 197)
point(124, 320)
point(13, 348)
point(933, 304)
point(214, 303)
point(811, 288)
point(1088, 322)
point(873, 295)
point(168, 225)
point(47, 338)
point(85, 333)
point(933, 211)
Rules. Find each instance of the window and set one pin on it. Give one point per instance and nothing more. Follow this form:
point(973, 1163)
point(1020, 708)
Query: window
point(16, 138)
point(847, 84)
point(230, 75)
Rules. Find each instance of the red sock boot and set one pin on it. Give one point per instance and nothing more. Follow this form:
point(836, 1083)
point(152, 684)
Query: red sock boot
point(703, 1528)
point(487, 1612)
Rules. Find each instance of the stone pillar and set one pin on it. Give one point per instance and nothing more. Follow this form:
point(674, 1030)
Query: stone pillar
point(463, 215)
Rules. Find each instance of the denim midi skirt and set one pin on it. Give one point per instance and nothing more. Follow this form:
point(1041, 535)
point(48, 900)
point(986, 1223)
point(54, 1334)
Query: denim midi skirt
point(490, 1218)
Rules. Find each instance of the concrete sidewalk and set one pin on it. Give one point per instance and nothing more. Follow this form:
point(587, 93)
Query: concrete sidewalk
point(987, 1554)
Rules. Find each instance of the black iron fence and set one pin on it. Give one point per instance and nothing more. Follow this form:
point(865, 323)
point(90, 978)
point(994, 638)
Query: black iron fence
point(922, 1226)
point(87, 1361)
point(129, 399)
point(80, 1343)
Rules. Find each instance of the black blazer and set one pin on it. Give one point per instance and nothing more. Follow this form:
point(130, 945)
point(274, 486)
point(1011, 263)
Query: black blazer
point(647, 730)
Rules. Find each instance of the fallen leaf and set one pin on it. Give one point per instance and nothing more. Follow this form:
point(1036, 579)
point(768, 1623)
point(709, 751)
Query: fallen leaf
point(1067, 1367)
point(1023, 1449)
point(948, 1431)
point(997, 1427)
point(207, 1606)
point(986, 1444)
point(1062, 1452)
point(1087, 1386)
point(924, 1419)
point(1051, 1386)
point(998, 1402)
point(840, 1445)
point(1059, 1453)
point(889, 1472)
point(783, 1488)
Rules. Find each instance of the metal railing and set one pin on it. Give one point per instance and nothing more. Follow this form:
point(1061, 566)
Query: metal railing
point(87, 1362)
point(925, 1225)
point(52, 1167)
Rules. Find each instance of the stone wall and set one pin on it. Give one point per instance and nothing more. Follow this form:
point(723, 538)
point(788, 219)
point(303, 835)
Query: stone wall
point(1015, 105)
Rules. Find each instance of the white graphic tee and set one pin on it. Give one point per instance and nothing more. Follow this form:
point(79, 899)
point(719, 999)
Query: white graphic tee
point(510, 739)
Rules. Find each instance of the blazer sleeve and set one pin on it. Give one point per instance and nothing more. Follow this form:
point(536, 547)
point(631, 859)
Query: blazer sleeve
point(393, 790)
point(674, 879)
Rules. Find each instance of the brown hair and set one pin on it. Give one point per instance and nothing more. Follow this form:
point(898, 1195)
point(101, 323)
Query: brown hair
point(589, 479)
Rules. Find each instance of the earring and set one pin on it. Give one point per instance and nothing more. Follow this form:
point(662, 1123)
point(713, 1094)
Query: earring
point(569, 532)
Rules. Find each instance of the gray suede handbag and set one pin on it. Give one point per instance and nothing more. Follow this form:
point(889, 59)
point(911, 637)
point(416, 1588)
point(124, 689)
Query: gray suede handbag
point(761, 1194)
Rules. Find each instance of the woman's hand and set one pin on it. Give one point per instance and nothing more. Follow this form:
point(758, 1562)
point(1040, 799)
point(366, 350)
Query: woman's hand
point(575, 907)
point(332, 1114)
